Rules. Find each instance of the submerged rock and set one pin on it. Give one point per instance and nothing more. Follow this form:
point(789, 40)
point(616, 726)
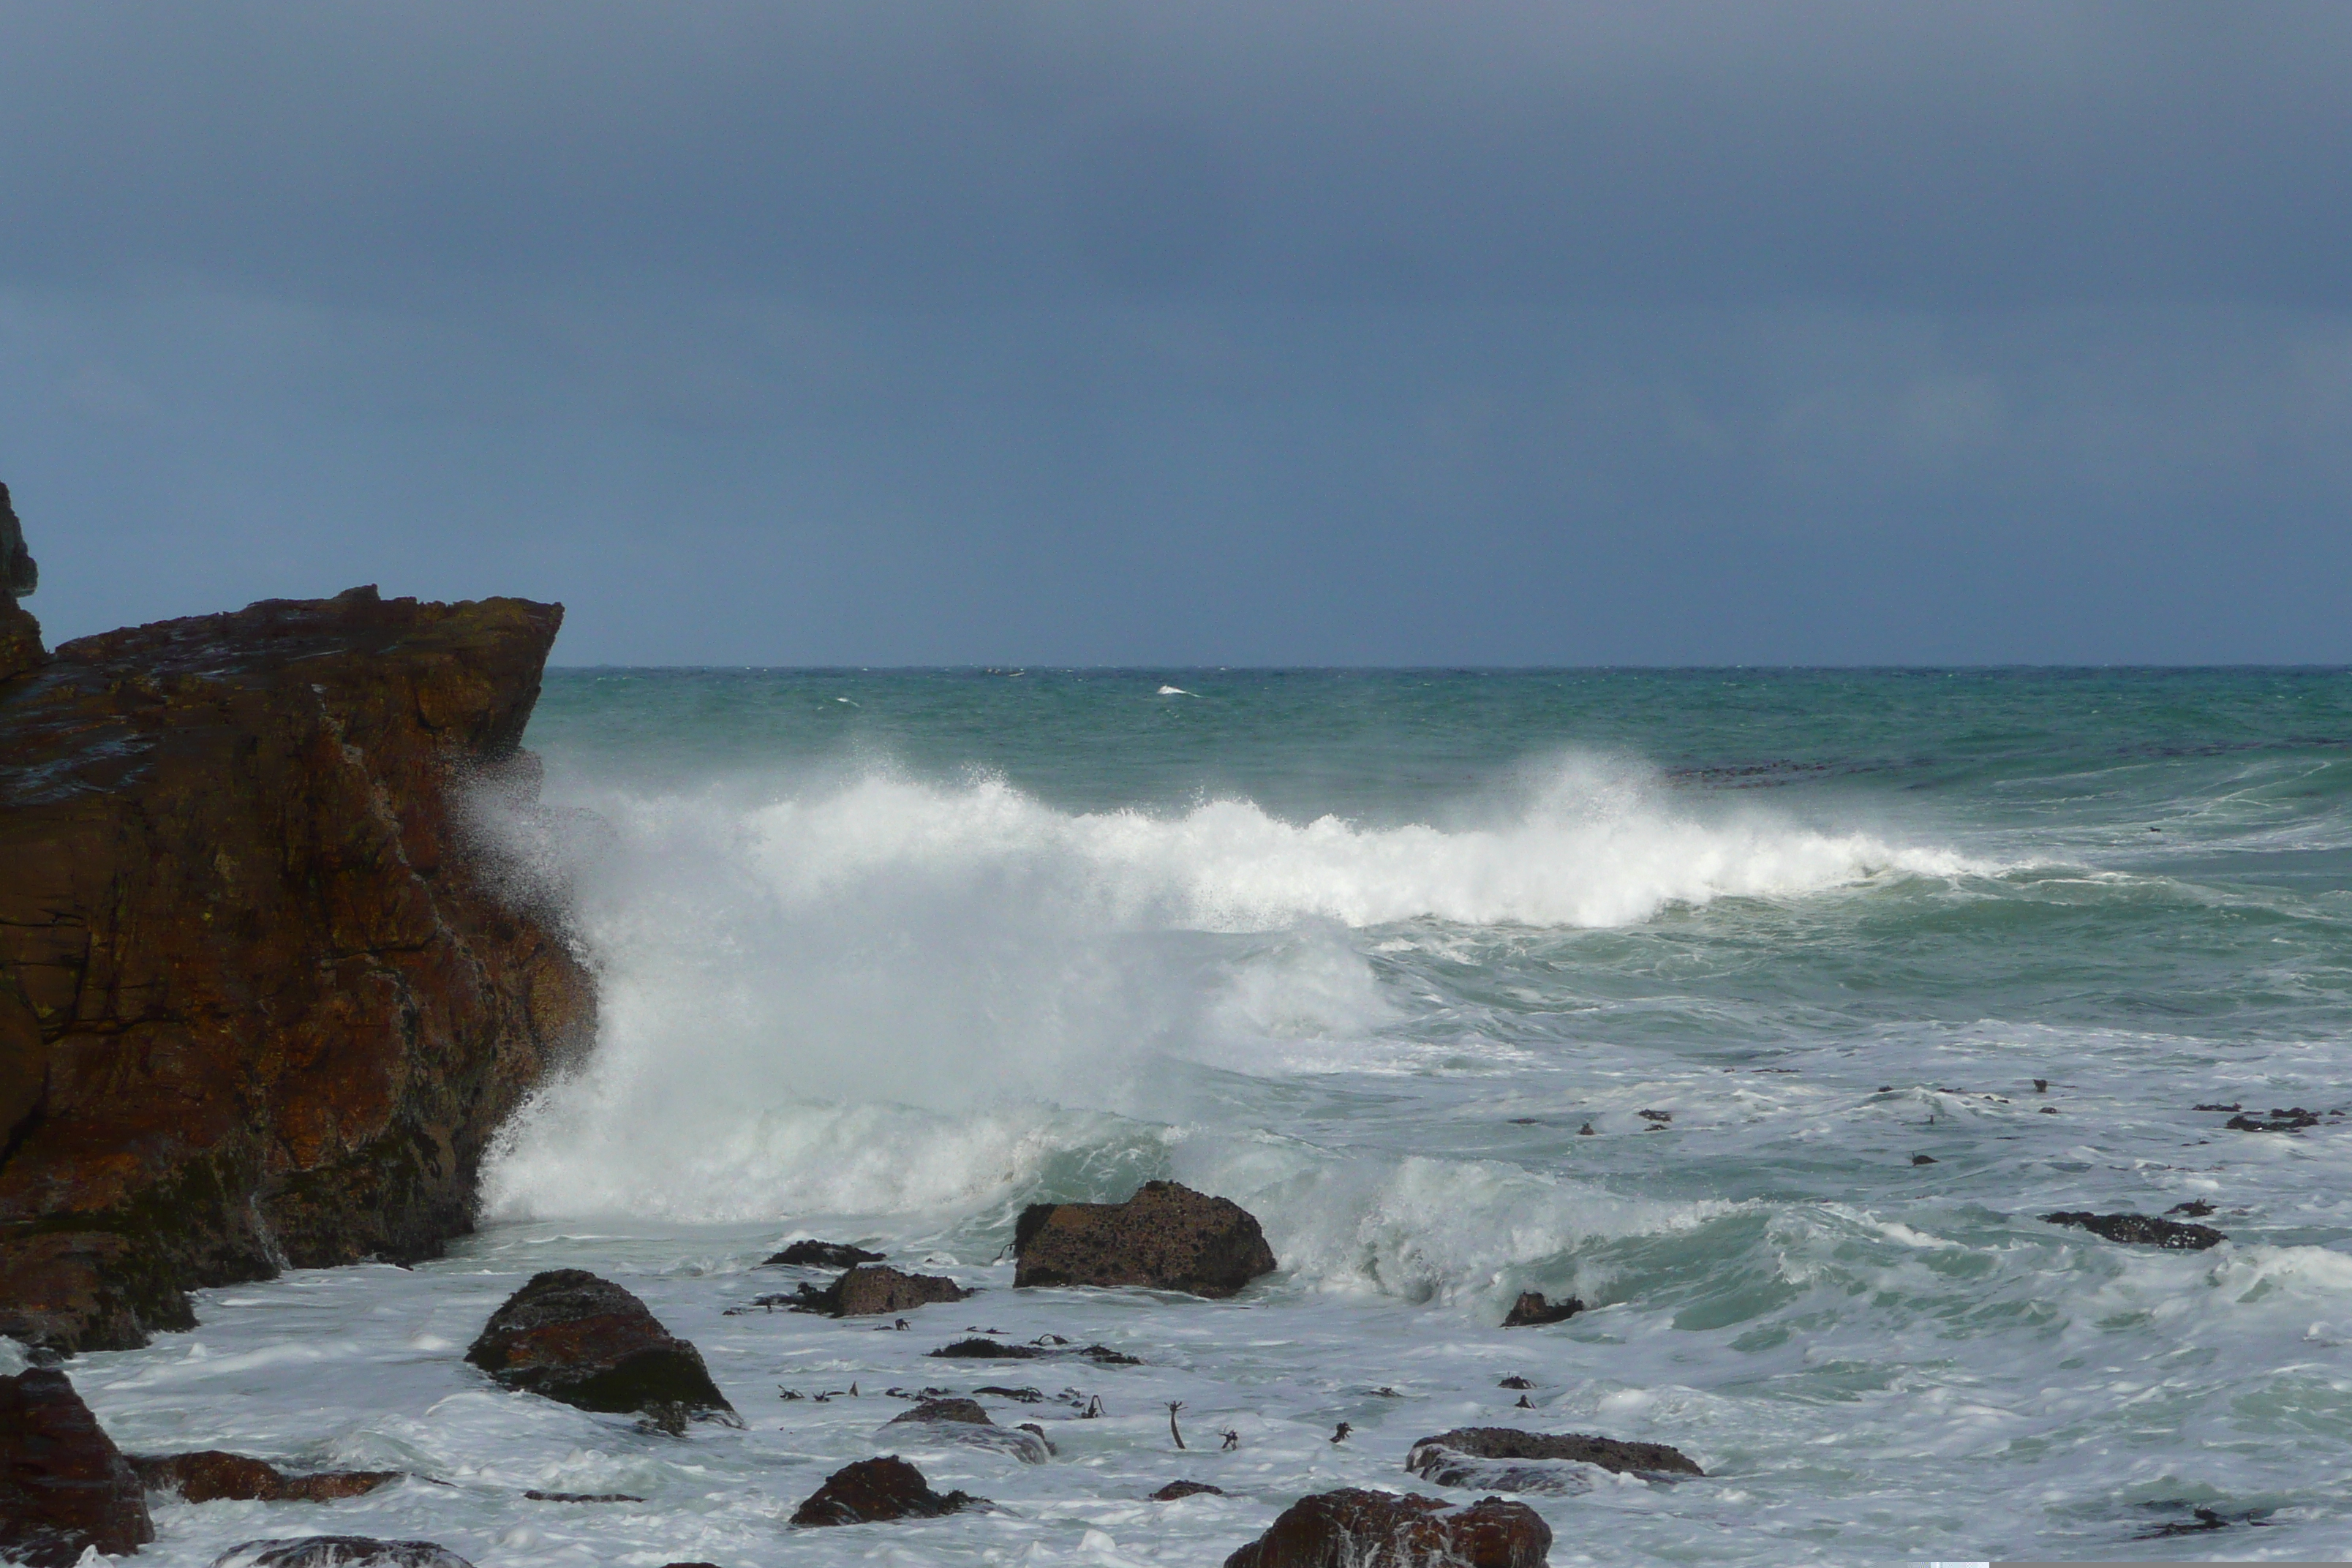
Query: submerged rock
point(986, 1350)
point(572, 1337)
point(64, 1486)
point(870, 1289)
point(944, 1410)
point(822, 1255)
point(1532, 1310)
point(1175, 1489)
point(208, 1475)
point(1502, 1458)
point(270, 995)
point(1352, 1527)
point(2141, 1229)
point(2292, 1120)
point(1166, 1237)
point(873, 1489)
point(339, 1551)
point(963, 1421)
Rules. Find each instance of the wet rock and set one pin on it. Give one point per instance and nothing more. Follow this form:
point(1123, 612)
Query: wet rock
point(822, 1255)
point(2292, 1120)
point(2141, 1229)
point(1924, 1160)
point(339, 1551)
point(945, 1410)
point(986, 1350)
point(1532, 1310)
point(280, 992)
point(963, 1421)
point(1166, 1237)
point(1175, 1489)
point(2195, 1208)
point(1661, 1117)
point(871, 1288)
point(581, 1496)
point(64, 1486)
point(1021, 1396)
point(874, 1490)
point(2217, 1105)
point(572, 1337)
point(208, 1475)
point(1502, 1458)
point(1352, 1527)
point(1514, 1382)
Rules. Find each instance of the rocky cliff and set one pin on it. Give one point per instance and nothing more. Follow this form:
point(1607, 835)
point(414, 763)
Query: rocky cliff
point(263, 1000)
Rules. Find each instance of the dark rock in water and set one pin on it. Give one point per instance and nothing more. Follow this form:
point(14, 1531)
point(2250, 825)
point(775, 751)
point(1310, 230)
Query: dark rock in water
point(270, 993)
point(823, 1254)
point(1532, 1310)
point(209, 1475)
point(873, 1489)
point(2217, 1105)
point(2142, 1229)
point(64, 1486)
point(1103, 1355)
point(582, 1497)
point(2195, 1208)
point(986, 1350)
point(1023, 1396)
point(1166, 1237)
point(1484, 1458)
point(1357, 1529)
point(2294, 1120)
point(945, 1410)
point(1039, 1433)
point(339, 1551)
point(1175, 1489)
point(870, 1288)
point(573, 1337)
point(1658, 1116)
point(1924, 1160)
point(1514, 1382)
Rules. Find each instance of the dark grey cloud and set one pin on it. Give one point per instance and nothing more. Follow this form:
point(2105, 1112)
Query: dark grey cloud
point(1091, 331)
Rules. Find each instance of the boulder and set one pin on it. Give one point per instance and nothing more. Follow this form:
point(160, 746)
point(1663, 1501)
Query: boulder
point(339, 1551)
point(944, 1410)
point(208, 1475)
point(822, 1255)
point(573, 1337)
point(871, 1288)
point(1501, 1459)
point(1166, 1237)
point(281, 990)
point(963, 1421)
point(1532, 1310)
point(1175, 1489)
point(872, 1489)
point(1352, 1527)
point(64, 1486)
point(2170, 1234)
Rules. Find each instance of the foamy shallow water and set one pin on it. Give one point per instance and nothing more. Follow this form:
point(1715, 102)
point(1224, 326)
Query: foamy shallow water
point(1366, 953)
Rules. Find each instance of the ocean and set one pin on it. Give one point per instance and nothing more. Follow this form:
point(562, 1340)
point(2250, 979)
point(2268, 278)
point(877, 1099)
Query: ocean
point(1765, 1011)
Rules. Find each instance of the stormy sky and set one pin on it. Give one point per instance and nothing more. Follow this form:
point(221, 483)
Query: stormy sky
point(1081, 331)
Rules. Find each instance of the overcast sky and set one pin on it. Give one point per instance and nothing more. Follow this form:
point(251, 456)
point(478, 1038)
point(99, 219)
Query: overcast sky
point(1073, 332)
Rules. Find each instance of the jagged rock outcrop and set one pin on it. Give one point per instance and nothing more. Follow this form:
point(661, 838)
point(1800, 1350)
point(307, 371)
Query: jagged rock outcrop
point(872, 1489)
point(210, 1475)
point(1167, 1237)
point(64, 1486)
point(20, 633)
point(1352, 1527)
point(1502, 1458)
point(264, 998)
point(588, 1342)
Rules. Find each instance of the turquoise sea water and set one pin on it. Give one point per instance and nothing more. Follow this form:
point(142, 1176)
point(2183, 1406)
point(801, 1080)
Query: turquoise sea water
point(886, 954)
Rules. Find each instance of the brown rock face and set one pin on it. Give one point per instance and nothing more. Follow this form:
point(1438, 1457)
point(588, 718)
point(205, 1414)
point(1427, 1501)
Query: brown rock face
point(1532, 1310)
point(570, 1336)
point(208, 1475)
point(20, 633)
point(1355, 1529)
point(1167, 1237)
point(870, 1288)
point(871, 1490)
point(278, 998)
point(1496, 1457)
point(64, 1486)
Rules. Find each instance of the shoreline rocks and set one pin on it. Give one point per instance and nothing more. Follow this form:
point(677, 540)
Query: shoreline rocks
point(339, 1551)
point(808, 1254)
point(2143, 1230)
point(64, 1486)
point(1502, 1458)
point(569, 1336)
point(871, 1290)
point(265, 995)
point(1533, 1310)
point(1352, 1527)
point(875, 1489)
point(1167, 1237)
point(210, 1475)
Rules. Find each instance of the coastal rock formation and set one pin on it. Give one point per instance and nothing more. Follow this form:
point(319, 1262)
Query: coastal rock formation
point(870, 1288)
point(208, 1475)
point(264, 998)
point(964, 1421)
point(2142, 1229)
point(64, 1486)
point(1174, 1490)
point(20, 633)
point(1502, 1458)
point(1167, 1237)
point(339, 1551)
point(586, 1341)
point(1352, 1527)
point(1533, 1310)
point(873, 1489)
point(807, 1254)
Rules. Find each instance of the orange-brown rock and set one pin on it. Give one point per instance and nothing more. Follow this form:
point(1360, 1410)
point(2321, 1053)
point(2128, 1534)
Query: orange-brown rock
point(1167, 1237)
point(1352, 1527)
point(209, 1475)
point(263, 996)
point(64, 1486)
